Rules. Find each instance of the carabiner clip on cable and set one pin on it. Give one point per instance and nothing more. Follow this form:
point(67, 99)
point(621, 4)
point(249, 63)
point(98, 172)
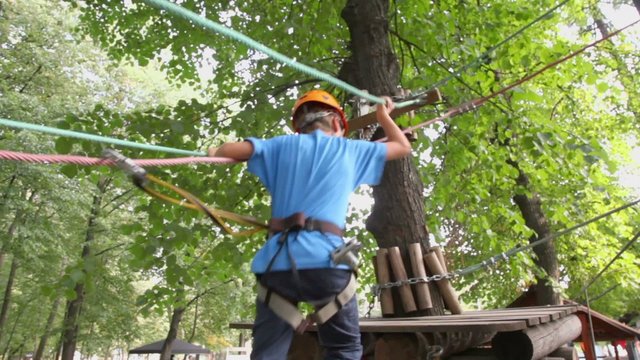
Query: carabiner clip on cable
point(142, 179)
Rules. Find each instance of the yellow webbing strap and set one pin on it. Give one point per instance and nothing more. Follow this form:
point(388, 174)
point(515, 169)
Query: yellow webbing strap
point(192, 202)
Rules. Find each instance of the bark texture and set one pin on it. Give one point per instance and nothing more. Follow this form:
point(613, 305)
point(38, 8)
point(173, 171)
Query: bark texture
point(176, 317)
point(546, 255)
point(6, 302)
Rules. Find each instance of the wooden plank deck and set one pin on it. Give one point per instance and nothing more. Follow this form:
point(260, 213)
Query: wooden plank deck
point(501, 320)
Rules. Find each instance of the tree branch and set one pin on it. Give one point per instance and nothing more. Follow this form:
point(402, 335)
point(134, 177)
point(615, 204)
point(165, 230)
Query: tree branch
point(30, 79)
point(110, 248)
point(208, 291)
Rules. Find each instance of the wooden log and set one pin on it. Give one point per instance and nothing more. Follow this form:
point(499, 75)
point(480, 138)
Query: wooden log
point(446, 290)
point(440, 255)
point(384, 276)
point(536, 342)
point(396, 346)
point(565, 353)
point(423, 297)
point(399, 273)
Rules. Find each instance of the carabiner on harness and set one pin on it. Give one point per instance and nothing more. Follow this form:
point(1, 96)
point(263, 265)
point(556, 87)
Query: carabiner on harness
point(347, 254)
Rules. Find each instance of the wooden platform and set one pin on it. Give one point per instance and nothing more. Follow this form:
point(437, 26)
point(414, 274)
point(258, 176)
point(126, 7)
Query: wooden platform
point(471, 321)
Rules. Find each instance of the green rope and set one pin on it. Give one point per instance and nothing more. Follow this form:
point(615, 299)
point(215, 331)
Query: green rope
point(218, 28)
point(90, 137)
point(484, 55)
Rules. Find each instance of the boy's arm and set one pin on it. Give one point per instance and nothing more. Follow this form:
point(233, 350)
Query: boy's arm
point(397, 144)
point(240, 151)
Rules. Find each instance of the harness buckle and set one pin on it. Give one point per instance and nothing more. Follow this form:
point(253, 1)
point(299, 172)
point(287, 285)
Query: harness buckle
point(309, 225)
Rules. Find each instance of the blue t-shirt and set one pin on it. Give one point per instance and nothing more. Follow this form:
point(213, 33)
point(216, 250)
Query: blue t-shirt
point(315, 174)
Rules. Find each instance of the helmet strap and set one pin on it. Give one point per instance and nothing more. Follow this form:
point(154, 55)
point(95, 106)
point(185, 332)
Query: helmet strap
point(307, 119)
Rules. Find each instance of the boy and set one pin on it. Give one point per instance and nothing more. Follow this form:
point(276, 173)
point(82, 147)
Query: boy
point(310, 177)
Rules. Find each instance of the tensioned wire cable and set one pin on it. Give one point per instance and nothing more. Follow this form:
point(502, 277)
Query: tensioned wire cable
point(179, 11)
point(507, 254)
point(484, 55)
point(97, 138)
point(475, 103)
point(211, 25)
point(452, 112)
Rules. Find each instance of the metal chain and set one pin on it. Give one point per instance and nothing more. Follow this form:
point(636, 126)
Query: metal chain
point(375, 293)
point(411, 281)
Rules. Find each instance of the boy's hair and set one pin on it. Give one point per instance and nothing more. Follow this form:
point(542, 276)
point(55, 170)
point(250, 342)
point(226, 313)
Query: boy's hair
point(307, 123)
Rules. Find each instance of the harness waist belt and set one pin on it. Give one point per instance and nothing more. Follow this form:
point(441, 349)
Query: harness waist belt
point(299, 221)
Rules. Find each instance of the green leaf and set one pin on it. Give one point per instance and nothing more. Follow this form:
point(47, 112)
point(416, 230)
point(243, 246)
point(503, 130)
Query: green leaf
point(63, 145)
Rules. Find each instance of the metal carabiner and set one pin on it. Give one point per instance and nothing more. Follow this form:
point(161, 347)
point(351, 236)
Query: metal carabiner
point(137, 172)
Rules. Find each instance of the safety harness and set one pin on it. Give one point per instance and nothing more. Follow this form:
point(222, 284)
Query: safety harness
point(283, 307)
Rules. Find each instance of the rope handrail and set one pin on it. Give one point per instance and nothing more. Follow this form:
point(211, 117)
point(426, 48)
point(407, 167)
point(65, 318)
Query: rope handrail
point(96, 138)
point(93, 161)
point(208, 24)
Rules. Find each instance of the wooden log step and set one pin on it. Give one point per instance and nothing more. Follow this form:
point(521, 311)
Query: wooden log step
point(399, 273)
point(383, 274)
point(423, 296)
point(447, 291)
point(536, 342)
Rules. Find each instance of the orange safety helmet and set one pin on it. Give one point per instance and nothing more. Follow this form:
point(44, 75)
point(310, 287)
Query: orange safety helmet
point(323, 97)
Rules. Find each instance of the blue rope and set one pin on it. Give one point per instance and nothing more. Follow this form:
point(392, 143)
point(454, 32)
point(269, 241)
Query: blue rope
point(218, 28)
point(97, 138)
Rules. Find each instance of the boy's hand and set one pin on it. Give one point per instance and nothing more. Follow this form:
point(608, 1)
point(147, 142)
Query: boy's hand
point(212, 151)
point(385, 109)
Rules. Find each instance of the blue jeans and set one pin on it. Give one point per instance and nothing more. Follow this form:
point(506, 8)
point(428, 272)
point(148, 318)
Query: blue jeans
point(340, 336)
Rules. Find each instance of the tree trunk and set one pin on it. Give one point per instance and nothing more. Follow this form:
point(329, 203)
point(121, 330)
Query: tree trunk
point(74, 307)
point(47, 329)
point(195, 321)
point(7, 241)
point(546, 256)
point(176, 317)
point(12, 332)
point(18, 218)
point(6, 302)
point(397, 218)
